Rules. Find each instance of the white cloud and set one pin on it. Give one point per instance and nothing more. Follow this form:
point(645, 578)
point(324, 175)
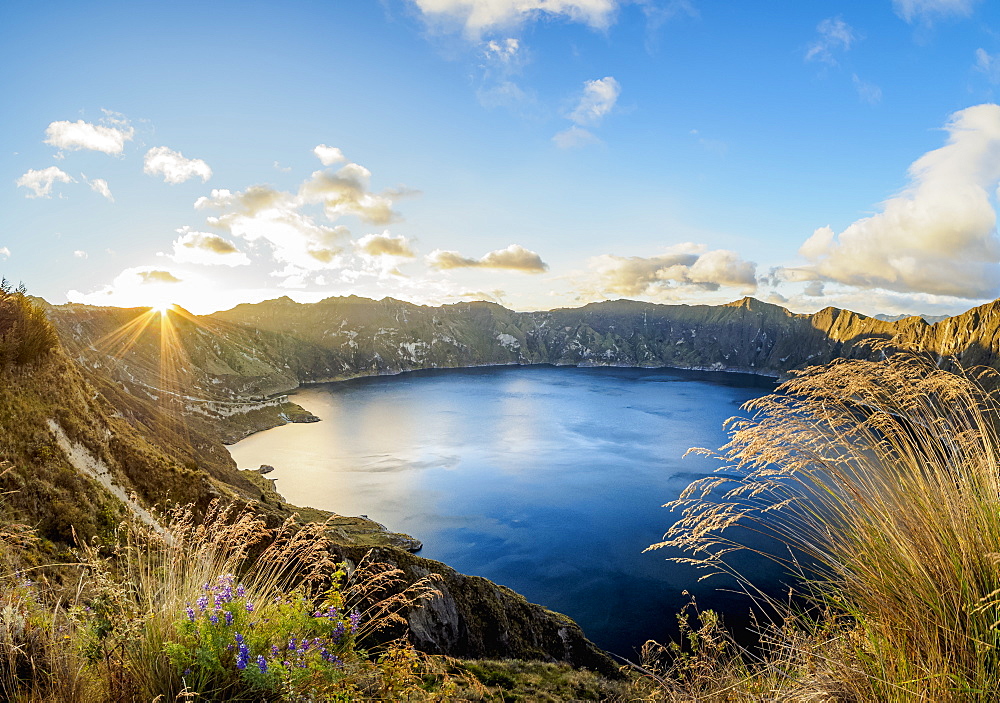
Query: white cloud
point(598, 99)
point(989, 65)
point(385, 245)
point(834, 34)
point(329, 155)
point(73, 136)
point(301, 230)
point(685, 266)
point(346, 192)
point(574, 137)
point(262, 214)
point(926, 10)
point(5, 252)
point(477, 15)
point(514, 257)
point(41, 182)
point(173, 166)
point(206, 248)
point(503, 51)
point(80, 254)
point(868, 92)
point(100, 186)
point(938, 235)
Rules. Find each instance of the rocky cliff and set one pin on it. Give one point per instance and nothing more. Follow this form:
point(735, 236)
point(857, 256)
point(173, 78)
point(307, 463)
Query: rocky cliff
point(357, 336)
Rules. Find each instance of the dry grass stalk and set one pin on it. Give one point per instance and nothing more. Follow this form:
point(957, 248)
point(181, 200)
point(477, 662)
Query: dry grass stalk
point(884, 477)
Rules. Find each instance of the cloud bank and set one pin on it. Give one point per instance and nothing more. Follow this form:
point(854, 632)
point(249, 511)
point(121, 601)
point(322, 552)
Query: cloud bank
point(938, 235)
point(289, 222)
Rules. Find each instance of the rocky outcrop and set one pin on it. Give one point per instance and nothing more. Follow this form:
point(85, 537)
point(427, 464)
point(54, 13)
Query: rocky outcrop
point(478, 619)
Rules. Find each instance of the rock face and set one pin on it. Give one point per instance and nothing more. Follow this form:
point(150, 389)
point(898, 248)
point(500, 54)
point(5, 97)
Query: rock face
point(355, 336)
point(476, 618)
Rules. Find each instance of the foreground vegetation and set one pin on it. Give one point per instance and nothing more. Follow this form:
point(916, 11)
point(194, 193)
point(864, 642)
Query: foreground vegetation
point(224, 609)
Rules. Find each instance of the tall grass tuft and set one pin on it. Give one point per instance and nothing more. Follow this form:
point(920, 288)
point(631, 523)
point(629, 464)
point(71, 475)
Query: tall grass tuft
point(882, 479)
point(25, 333)
point(223, 608)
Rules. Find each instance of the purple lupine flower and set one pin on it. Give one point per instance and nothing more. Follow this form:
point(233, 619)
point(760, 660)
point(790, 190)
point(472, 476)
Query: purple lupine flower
point(240, 591)
point(238, 637)
point(262, 663)
point(206, 586)
point(333, 612)
point(355, 618)
point(336, 661)
point(229, 618)
point(292, 644)
point(249, 607)
point(202, 603)
point(242, 656)
point(338, 632)
point(190, 613)
point(214, 617)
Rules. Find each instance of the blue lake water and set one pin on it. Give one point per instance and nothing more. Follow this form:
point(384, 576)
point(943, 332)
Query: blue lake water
point(547, 480)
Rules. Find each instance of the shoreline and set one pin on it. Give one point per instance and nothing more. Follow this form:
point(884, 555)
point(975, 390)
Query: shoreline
point(403, 540)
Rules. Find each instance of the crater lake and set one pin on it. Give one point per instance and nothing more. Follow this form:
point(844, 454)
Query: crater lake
point(548, 480)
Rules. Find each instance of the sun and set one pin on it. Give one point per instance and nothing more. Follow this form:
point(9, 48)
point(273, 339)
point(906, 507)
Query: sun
point(161, 308)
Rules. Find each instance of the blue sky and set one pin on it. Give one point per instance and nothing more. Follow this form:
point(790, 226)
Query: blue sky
point(540, 153)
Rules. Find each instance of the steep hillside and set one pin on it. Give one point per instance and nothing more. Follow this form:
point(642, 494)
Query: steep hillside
point(86, 452)
point(388, 336)
point(225, 375)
